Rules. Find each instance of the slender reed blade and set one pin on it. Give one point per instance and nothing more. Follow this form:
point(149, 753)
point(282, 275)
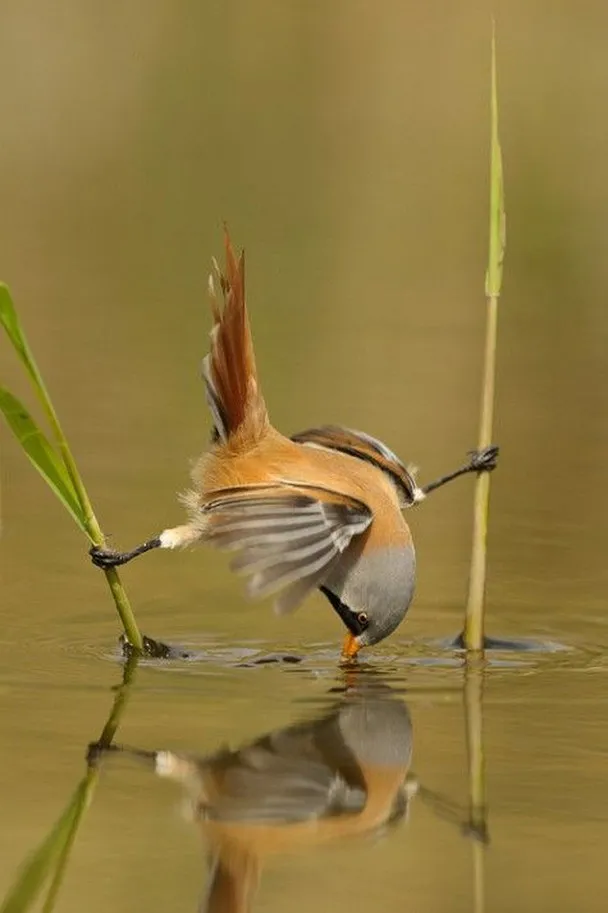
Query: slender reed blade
point(473, 633)
point(10, 322)
point(9, 319)
point(41, 454)
point(57, 467)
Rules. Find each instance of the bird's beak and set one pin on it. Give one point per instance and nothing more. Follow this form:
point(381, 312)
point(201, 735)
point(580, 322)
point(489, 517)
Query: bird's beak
point(351, 647)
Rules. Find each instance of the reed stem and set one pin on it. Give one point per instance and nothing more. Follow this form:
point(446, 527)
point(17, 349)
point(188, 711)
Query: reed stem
point(121, 600)
point(89, 520)
point(473, 633)
point(478, 812)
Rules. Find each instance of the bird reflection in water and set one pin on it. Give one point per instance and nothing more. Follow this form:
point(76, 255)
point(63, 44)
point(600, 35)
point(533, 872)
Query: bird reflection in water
point(340, 775)
point(344, 774)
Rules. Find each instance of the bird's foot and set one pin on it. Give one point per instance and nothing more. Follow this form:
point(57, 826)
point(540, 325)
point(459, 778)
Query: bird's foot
point(96, 751)
point(106, 558)
point(484, 460)
point(477, 831)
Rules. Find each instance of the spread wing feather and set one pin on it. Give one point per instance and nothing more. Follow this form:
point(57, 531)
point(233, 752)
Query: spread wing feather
point(288, 538)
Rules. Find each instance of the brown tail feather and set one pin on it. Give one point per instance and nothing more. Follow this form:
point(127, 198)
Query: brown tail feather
point(233, 879)
point(230, 374)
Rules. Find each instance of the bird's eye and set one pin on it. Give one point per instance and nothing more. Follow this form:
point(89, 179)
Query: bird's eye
point(363, 619)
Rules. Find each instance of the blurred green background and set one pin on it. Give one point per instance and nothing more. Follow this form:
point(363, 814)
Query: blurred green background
point(346, 144)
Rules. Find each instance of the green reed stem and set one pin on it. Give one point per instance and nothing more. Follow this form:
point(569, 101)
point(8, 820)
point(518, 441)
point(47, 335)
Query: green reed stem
point(89, 522)
point(473, 633)
point(121, 600)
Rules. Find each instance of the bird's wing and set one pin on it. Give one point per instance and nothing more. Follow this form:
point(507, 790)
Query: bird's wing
point(364, 447)
point(283, 777)
point(285, 790)
point(288, 535)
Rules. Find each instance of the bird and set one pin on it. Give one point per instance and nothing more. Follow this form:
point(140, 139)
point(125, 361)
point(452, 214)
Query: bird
point(322, 509)
point(344, 774)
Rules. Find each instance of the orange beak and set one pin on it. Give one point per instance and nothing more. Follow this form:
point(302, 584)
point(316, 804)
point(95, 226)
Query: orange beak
point(350, 647)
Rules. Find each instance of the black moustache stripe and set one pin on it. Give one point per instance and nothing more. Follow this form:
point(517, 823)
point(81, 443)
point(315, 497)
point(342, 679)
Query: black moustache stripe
point(347, 615)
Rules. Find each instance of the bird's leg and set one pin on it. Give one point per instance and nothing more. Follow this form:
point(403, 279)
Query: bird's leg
point(96, 751)
point(107, 557)
point(481, 461)
point(178, 537)
point(446, 808)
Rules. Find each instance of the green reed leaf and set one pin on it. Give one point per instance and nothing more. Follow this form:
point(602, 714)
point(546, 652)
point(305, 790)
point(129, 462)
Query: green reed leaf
point(41, 454)
point(57, 466)
point(8, 317)
point(10, 321)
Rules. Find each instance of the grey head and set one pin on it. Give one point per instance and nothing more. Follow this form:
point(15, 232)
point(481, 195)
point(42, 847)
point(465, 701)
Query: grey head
point(372, 593)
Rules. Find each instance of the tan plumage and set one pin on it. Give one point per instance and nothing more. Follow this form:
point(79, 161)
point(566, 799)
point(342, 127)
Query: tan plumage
point(320, 510)
point(291, 508)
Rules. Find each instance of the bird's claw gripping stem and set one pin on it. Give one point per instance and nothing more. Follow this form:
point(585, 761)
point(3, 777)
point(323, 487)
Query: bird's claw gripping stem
point(484, 460)
point(106, 558)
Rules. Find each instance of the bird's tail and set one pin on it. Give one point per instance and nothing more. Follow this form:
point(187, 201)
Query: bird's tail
point(231, 883)
point(229, 370)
